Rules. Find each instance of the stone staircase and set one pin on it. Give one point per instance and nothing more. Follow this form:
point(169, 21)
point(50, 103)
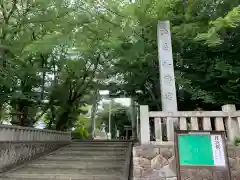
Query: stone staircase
point(93, 160)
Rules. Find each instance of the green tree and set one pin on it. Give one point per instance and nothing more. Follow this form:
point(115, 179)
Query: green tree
point(203, 76)
point(52, 57)
point(56, 54)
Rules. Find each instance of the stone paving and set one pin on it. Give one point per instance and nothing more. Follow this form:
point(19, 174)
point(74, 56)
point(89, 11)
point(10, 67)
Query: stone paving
point(157, 162)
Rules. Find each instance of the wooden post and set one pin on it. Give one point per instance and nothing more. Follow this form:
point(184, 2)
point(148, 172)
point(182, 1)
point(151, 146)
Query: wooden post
point(144, 125)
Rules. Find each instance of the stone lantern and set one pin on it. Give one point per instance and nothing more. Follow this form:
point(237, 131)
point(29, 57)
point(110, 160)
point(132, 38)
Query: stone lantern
point(102, 128)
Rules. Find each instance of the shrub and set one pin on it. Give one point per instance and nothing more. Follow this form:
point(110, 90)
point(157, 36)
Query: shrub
point(80, 133)
point(236, 141)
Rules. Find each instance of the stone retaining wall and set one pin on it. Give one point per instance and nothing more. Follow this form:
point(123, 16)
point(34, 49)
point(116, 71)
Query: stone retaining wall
point(157, 162)
point(13, 154)
point(21, 144)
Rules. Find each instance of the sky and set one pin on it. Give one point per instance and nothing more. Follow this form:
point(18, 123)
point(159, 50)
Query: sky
point(123, 101)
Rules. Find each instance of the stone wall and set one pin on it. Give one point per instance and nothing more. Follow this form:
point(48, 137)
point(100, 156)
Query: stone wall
point(13, 154)
point(21, 144)
point(157, 162)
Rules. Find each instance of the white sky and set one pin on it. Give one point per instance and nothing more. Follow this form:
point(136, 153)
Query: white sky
point(123, 101)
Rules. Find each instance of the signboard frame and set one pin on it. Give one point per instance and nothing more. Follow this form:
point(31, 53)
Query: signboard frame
point(226, 168)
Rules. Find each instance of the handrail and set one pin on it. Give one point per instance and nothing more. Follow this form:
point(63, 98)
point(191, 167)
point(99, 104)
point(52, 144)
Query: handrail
point(127, 163)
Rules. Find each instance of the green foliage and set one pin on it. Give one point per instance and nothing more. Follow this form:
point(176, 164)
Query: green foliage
point(236, 141)
point(204, 37)
point(51, 59)
point(83, 120)
point(56, 54)
point(80, 133)
point(219, 27)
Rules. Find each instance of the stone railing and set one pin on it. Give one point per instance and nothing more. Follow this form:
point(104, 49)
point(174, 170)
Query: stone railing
point(226, 120)
point(18, 133)
point(21, 144)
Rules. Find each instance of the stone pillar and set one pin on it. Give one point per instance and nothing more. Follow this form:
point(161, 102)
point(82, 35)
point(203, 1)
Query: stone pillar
point(138, 121)
point(167, 78)
point(92, 112)
point(231, 123)
point(134, 120)
point(183, 123)
point(219, 124)
point(194, 123)
point(158, 129)
point(144, 125)
point(207, 124)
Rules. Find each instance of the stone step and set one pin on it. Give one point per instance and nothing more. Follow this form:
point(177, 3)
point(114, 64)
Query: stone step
point(99, 148)
point(84, 159)
point(94, 151)
point(98, 144)
point(66, 172)
point(89, 153)
point(90, 160)
point(77, 165)
point(59, 177)
point(101, 142)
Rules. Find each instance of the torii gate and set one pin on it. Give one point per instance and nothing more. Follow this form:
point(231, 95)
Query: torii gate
point(111, 96)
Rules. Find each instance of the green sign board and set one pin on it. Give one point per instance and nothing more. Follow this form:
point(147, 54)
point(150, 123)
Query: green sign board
point(201, 150)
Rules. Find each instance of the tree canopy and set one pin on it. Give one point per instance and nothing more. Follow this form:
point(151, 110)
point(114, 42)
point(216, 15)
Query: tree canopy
point(56, 54)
